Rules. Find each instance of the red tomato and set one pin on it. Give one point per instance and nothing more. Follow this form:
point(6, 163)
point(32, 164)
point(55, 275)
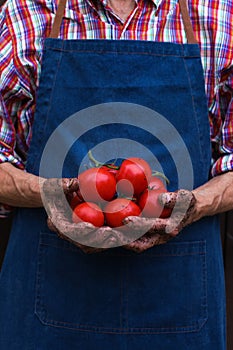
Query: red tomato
point(156, 183)
point(88, 212)
point(151, 206)
point(136, 172)
point(118, 209)
point(111, 168)
point(97, 184)
point(75, 201)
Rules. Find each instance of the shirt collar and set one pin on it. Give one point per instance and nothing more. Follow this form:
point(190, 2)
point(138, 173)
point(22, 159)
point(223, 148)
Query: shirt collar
point(156, 2)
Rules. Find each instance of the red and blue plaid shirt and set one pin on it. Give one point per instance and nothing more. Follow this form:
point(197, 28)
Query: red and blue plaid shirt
point(25, 23)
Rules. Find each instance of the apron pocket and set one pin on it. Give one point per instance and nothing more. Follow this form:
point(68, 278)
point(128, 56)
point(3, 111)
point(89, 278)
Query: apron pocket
point(171, 293)
point(162, 290)
point(77, 290)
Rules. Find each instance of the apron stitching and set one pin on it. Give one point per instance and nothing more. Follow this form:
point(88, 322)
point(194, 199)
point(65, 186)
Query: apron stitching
point(121, 296)
point(204, 285)
point(128, 255)
point(195, 113)
point(127, 296)
point(42, 314)
point(134, 330)
point(38, 283)
point(49, 106)
point(127, 53)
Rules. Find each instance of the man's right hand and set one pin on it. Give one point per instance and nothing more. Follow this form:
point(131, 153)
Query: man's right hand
point(84, 235)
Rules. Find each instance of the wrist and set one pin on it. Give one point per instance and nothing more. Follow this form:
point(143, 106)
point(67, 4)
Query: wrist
point(18, 188)
point(206, 204)
point(216, 196)
point(33, 190)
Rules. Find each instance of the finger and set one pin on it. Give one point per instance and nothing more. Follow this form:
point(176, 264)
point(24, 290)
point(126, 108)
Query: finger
point(182, 219)
point(85, 249)
point(53, 195)
point(70, 185)
point(147, 242)
point(58, 222)
point(110, 237)
point(171, 226)
point(87, 234)
point(80, 232)
point(146, 225)
point(51, 225)
point(52, 187)
point(182, 199)
point(106, 237)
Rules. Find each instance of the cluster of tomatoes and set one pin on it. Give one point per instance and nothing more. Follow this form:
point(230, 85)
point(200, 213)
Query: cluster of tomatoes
point(107, 194)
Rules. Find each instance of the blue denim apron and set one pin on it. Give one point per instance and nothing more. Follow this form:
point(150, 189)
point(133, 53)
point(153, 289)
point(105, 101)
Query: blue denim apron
point(52, 295)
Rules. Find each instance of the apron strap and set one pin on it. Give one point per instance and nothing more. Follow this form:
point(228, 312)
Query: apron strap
point(58, 19)
point(183, 8)
point(187, 22)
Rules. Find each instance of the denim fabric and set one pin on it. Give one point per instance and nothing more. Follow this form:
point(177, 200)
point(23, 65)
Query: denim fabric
point(53, 296)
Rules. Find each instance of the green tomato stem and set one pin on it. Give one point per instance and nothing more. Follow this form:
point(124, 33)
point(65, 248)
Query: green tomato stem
point(98, 164)
point(93, 160)
point(159, 174)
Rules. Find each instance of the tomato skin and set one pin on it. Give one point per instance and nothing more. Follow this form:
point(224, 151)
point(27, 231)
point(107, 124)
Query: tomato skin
point(111, 168)
point(75, 200)
point(118, 209)
point(97, 185)
point(137, 172)
point(155, 183)
point(150, 205)
point(88, 212)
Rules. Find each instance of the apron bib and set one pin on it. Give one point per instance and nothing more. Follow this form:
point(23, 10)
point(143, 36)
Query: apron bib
point(52, 295)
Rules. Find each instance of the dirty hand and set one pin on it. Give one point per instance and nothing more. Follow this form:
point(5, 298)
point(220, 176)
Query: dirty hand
point(158, 231)
point(55, 195)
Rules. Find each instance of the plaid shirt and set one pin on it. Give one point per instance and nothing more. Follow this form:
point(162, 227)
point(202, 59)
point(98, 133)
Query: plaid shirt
point(25, 23)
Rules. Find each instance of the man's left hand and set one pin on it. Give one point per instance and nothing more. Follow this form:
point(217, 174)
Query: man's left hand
point(159, 231)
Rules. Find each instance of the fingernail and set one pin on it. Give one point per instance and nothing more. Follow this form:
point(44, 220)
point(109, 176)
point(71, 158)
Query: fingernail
point(163, 198)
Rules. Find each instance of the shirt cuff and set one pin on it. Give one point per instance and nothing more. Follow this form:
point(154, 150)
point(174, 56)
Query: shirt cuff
point(6, 156)
point(222, 165)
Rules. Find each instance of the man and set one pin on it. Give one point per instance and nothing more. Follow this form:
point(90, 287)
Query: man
point(173, 294)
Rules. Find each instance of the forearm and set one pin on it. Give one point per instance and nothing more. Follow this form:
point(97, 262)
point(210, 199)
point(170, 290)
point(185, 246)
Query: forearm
point(18, 188)
point(216, 196)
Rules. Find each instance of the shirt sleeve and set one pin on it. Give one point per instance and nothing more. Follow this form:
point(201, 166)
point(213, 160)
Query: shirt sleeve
point(23, 26)
point(217, 57)
point(221, 113)
point(7, 130)
point(20, 66)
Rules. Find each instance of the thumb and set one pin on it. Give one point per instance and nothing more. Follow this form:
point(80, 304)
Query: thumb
point(182, 199)
point(54, 185)
point(168, 199)
point(70, 185)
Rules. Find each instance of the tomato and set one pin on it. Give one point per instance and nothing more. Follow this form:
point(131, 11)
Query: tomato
point(97, 185)
point(156, 183)
point(75, 200)
point(150, 205)
point(88, 212)
point(133, 175)
point(118, 209)
point(111, 168)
